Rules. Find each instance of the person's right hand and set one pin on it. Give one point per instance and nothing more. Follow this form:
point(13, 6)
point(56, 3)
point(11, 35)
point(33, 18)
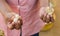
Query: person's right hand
point(14, 22)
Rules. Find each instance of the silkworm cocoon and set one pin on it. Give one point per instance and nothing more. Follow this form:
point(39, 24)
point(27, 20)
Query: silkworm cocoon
point(49, 10)
point(16, 18)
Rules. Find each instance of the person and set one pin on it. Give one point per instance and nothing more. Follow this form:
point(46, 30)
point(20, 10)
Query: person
point(29, 11)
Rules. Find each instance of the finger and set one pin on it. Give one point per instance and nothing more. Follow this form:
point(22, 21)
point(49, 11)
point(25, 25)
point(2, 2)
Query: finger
point(13, 24)
point(18, 22)
point(47, 18)
point(11, 19)
point(17, 26)
point(10, 26)
point(51, 19)
point(20, 19)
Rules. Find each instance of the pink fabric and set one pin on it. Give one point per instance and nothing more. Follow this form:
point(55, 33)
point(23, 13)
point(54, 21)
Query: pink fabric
point(31, 20)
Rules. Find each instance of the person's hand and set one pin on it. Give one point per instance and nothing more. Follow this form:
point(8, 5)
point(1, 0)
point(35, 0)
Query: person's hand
point(18, 25)
point(47, 18)
point(46, 14)
point(14, 22)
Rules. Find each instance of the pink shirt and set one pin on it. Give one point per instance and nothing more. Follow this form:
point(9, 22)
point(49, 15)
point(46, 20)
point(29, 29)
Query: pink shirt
point(31, 20)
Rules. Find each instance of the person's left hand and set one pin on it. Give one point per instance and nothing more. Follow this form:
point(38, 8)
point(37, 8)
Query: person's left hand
point(45, 16)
